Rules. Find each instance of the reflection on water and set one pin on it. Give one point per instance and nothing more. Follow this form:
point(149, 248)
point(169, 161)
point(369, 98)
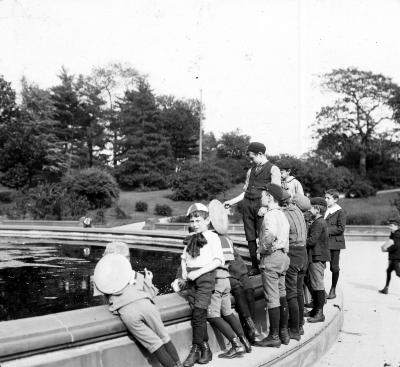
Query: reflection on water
point(39, 279)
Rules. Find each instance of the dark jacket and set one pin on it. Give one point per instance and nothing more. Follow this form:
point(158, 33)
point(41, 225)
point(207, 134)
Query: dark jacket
point(317, 241)
point(336, 224)
point(394, 250)
point(258, 180)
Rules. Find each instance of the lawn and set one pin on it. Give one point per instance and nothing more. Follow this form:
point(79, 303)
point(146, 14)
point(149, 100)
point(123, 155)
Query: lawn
point(378, 207)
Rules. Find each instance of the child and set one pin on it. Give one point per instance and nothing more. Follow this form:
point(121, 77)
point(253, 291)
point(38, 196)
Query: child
point(289, 182)
point(335, 218)
point(243, 292)
point(131, 296)
point(274, 262)
point(392, 246)
point(318, 254)
point(201, 256)
point(262, 173)
point(298, 264)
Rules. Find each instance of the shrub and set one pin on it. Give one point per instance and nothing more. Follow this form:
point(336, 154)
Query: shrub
point(16, 177)
point(141, 206)
point(361, 189)
point(100, 217)
point(98, 186)
point(163, 209)
point(120, 214)
point(360, 219)
point(198, 181)
point(6, 196)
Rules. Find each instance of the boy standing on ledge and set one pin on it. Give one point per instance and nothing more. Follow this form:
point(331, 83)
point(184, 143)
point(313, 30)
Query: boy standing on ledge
point(201, 256)
point(262, 173)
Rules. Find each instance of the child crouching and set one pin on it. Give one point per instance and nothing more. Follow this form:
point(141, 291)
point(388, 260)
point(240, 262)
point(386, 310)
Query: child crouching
point(131, 296)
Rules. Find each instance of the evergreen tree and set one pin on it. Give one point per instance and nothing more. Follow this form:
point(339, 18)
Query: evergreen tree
point(144, 151)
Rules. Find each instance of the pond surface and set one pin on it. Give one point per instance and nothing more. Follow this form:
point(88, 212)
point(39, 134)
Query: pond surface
point(39, 279)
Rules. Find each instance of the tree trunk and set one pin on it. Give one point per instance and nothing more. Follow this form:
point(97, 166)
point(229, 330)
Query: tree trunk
point(363, 164)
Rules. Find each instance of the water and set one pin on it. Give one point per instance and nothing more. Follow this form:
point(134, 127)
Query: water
point(40, 279)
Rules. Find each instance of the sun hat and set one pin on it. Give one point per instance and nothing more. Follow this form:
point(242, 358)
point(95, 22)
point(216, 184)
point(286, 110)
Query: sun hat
point(112, 273)
point(196, 207)
point(218, 216)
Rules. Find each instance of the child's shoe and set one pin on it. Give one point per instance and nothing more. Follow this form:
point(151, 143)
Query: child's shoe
point(193, 357)
point(384, 290)
point(206, 354)
point(318, 317)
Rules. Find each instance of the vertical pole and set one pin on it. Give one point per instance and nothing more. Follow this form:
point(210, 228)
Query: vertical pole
point(201, 127)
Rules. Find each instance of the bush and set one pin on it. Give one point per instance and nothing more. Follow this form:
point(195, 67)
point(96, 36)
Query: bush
point(360, 219)
point(16, 177)
point(120, 214)
point(198, 181)
point(98, 186)
point(162, 209)
point(141, 206)
point(361, 189)
point(100, 217)
point(6, 196)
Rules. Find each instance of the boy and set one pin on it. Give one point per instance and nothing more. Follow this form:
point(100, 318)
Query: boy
point(131, 295)
point(262, 173)
point(318, 254)
point(289, 182)
point(298, 264)
point(273, 246)
point(335, 218)
point(392, 246)
point(201, 256)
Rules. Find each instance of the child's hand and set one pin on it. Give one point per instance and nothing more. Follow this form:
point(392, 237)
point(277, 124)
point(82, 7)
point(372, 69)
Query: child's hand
point(262, 211)
point(184, 274)
point(193, 275)
point(148, 274)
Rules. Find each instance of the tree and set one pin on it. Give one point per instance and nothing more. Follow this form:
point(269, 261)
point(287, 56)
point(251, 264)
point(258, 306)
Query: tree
point(8, 105)
point(181, 122)
point(353, 119)
point(113, 80)
point(145, 153)
point(233, 144)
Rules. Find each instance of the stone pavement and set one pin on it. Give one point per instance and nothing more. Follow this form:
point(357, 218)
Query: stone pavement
point(370, 333)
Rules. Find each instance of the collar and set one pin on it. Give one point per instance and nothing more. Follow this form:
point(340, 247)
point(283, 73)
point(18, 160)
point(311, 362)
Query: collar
point(333, 209)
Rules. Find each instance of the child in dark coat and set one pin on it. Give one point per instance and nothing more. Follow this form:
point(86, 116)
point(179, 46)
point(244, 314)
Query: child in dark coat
point(392, 247)
point(318, 255)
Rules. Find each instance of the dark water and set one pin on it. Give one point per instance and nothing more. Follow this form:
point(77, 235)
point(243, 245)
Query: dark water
point(39, 279)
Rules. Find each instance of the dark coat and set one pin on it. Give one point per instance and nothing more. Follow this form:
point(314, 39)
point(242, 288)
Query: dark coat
point(317, 241)
point(336, 224)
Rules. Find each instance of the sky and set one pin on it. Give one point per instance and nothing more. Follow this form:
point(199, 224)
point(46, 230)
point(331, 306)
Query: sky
point(254, 63)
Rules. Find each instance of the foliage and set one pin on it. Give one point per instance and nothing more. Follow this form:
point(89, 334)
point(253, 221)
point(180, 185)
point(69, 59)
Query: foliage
point(360, 219)
point(120, 213)
point(163, 209)
point(179, 219)
point(6, 196)
point(350, 124)
point(100, 217)
point(144, 151)
point(396, 203)
point(236, 168)
point(98, 186)
point(8, 105)
point(198, 181)
point(141, 206)
point(360, 189)
point(233, 144)
point(181, 122)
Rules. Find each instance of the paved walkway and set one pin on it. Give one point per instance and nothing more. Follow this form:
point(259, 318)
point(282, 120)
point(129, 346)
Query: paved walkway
point(370, 334)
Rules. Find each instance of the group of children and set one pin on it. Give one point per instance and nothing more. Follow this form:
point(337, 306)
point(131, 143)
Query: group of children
point(288, 248)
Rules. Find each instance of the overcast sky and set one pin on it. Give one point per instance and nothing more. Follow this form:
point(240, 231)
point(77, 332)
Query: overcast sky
point(256, 62)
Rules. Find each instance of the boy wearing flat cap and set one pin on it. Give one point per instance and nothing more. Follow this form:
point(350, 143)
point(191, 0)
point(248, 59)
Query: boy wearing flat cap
point(262, 173)
point(392, 247)
point(201, 257)
point(318, 255)
point(273, 246)
point(131, 296)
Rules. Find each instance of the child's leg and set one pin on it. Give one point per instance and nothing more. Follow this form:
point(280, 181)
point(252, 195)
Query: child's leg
point(164, 357)
point(170, 347)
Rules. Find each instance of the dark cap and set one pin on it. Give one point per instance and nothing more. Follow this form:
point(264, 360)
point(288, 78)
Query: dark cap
point(318, 201)
point(394, 220)
point(285, 195)
point(275, 191)
point(256, 148)
point(284, 165)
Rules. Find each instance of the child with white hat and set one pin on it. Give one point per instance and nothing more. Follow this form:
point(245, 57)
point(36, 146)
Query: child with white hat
point(131, 296)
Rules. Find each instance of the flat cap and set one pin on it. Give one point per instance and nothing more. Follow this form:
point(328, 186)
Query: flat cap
point(256, 147)
point(275, 191)
point(318, 201)
point(302, 202)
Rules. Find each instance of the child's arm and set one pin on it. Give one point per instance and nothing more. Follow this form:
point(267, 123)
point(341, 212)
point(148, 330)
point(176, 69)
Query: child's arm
point(205, 269)
point(386, 245)
point(338, 228)
point(315, 233)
